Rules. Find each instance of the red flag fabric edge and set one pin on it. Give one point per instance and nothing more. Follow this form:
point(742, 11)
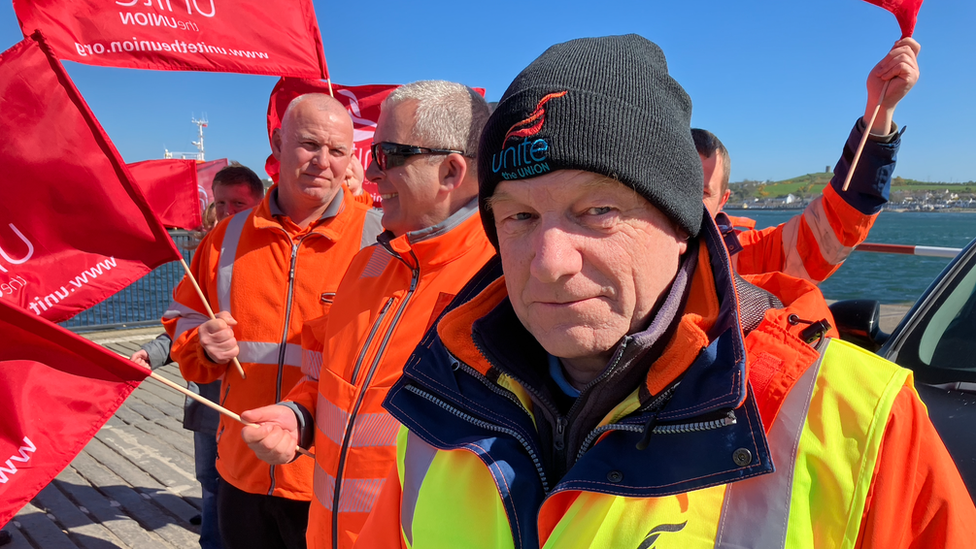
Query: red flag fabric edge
point(906, 11)
point(108, 147)
point(59, 390)
point(171, 188)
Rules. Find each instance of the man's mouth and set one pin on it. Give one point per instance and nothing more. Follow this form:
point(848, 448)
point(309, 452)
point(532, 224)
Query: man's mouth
point(389, 196)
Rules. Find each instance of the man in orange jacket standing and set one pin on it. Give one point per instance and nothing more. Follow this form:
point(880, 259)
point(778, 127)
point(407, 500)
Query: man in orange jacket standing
point(267, 270)
point(424, 164)
point(814, 244)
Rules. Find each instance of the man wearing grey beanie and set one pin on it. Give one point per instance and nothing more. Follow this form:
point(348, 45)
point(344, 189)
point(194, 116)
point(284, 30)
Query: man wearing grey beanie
point(608, 381)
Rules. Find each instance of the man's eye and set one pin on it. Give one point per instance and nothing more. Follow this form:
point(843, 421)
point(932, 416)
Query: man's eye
point(600, 210)
point(521, 216)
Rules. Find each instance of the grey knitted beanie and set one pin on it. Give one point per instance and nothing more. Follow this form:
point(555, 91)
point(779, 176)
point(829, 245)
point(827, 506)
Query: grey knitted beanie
point(604, 105)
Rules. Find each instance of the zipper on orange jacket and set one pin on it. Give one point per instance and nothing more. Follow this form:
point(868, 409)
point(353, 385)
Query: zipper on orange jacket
point(351, 422)
point(284, 331)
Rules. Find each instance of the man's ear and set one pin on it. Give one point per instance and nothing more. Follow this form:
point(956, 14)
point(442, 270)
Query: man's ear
point(276, 144)
point(725, 199)
point(453, 170)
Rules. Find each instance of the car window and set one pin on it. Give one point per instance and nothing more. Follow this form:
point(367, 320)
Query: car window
point(948, 340)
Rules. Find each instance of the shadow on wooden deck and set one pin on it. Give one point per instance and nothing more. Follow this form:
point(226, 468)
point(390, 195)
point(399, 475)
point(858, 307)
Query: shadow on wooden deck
point(133, 486)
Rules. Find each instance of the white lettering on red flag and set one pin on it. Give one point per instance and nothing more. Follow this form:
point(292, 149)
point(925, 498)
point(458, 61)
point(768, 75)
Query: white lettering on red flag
point(73, 228)
point(56, 391)
point(279, 37)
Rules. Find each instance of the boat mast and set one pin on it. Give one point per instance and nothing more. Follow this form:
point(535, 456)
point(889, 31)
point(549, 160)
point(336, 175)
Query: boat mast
point(200, 155)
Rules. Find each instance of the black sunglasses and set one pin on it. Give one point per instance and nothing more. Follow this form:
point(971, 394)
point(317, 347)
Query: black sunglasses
point(392, 155)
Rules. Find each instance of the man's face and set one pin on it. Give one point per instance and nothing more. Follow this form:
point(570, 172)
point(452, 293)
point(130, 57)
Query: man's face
point(233, 198)
point(410, 191)
point(585, 260)
point(314, 147)
point(714, 197)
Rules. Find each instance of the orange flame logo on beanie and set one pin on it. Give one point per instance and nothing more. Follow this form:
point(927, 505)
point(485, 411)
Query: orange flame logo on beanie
point(533, 124)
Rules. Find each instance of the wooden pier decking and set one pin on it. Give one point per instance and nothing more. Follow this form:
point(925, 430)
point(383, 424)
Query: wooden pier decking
point(133, 486)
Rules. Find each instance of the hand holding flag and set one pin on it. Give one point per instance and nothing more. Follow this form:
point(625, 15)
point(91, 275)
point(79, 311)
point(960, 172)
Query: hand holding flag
point(906, 11)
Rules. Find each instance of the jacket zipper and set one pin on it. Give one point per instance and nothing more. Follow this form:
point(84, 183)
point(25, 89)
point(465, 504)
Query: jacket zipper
point(369, 339)
point(673, 429)
point(351, 421)
point(284, 337)
point(485, 425)
point(491, 386)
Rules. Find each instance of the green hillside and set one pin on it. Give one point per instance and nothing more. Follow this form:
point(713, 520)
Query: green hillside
point(812, 184)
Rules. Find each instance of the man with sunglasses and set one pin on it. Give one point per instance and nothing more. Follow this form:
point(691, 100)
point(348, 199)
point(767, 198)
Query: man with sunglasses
point(425, 168)
point(267, 270)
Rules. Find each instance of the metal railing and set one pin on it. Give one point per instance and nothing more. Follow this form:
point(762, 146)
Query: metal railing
point(143, 302)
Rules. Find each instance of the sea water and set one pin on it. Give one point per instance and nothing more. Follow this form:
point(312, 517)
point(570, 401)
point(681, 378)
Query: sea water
point(888, 278)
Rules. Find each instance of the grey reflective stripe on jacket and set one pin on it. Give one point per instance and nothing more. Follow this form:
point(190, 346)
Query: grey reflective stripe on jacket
point(228, 253)
point(186, 318)
point(756, 511)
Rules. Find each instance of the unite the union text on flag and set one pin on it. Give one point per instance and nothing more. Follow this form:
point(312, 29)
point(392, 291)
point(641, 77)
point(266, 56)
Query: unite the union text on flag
point(74, 229)
point(279, 38)
point(56, 392)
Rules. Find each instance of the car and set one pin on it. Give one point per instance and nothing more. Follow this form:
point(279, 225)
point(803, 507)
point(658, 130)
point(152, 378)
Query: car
point(936, 339)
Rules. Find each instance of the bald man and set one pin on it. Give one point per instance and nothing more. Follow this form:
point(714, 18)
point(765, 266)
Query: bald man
point(266, 270)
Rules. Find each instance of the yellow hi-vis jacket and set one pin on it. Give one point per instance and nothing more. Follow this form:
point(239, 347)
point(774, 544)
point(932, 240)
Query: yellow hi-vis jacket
point(758, 440)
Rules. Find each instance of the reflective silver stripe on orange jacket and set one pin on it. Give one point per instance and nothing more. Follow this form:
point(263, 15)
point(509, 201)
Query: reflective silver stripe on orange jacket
point(358, 494)
point(228, 253)
point(829, 245)
point(756, 511)
point(187, 318)
point(369, 430)
point(259, 352)
point(311, 364)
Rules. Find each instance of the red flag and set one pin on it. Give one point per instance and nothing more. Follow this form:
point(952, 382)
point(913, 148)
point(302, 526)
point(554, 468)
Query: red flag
point(249, 36)
point(362, 102)
point(205, 176)
point(73, 228)
point(56, 391)
point(906, 11)
point(170, 187)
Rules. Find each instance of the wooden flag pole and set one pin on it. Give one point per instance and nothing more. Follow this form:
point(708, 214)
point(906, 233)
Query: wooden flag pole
point(213, 405)
point(864, 138)
point(330, 87)
point(186, 268)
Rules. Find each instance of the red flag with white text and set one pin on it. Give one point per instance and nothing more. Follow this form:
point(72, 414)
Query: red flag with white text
point(205, 176)
point(246, 36)
point(170, 186)
point(906, 11)
point(362, 102)
point(56, 392)
point(73, 228)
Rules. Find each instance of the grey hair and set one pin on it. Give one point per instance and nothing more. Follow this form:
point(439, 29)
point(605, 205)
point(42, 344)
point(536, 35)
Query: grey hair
point(449, 115)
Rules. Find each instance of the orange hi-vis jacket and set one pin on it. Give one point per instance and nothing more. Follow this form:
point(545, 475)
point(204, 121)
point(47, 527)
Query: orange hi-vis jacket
point(271, 275)
point(740, 435)
point(391, 294)
point(814, 244)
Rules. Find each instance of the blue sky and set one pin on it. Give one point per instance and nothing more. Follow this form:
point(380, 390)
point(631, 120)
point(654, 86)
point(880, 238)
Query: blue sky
point(780, 82)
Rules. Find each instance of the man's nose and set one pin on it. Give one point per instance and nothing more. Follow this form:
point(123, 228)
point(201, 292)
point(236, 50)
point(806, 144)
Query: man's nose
point(373, 172)
point(555, 254)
